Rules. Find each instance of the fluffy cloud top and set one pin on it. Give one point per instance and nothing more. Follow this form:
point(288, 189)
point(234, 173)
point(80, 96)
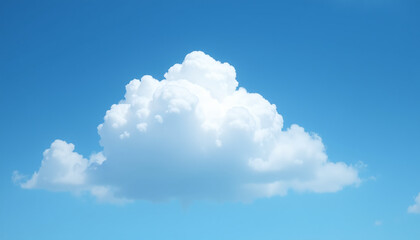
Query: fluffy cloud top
point(415, 208)
point(194, 135)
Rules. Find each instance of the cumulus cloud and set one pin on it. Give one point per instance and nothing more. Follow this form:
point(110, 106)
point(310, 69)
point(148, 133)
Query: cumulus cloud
point(61, 168)
point(194, 135)
point(415, 208)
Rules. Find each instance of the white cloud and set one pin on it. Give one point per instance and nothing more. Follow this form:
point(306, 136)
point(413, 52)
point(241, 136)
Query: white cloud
point(17, 177)
point(415, 208)
point(194, 135)
point(61, 168)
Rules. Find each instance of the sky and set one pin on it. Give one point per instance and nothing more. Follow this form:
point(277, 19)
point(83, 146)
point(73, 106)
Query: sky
point(210, 120)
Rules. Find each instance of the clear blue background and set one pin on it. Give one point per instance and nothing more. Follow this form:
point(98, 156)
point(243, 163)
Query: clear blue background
point(348, 70)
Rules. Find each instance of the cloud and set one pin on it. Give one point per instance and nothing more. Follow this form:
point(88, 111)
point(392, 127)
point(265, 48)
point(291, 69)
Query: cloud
point(415, 208)
point(61, 168)
point(194, 135)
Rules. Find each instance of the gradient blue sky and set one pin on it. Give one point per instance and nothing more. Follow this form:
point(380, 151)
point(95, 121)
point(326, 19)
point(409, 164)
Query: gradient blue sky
point(347, 70)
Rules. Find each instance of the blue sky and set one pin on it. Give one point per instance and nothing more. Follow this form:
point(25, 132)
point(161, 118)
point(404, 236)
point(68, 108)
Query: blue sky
point(348, 71)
